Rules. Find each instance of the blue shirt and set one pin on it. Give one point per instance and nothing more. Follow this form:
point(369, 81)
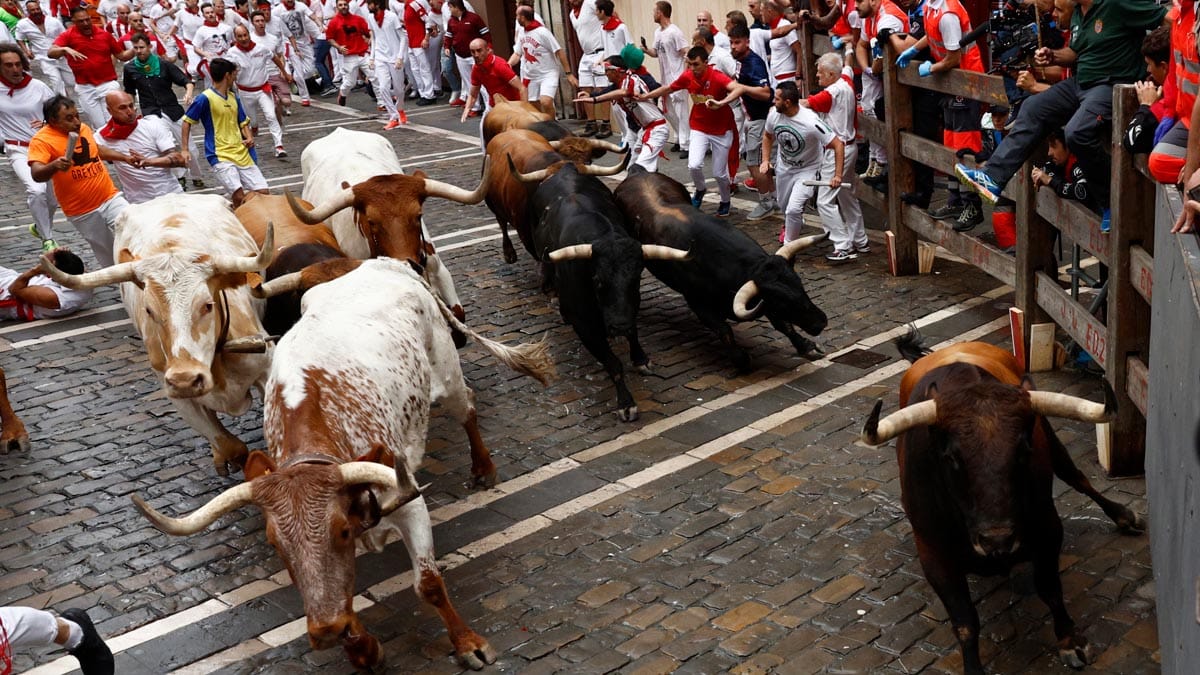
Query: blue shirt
point(752, 72)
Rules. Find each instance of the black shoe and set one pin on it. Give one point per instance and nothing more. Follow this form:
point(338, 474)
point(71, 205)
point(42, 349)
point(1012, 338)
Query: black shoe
point(917, 199)
point(94, 656)
point(946, 212)
point(341, 100)
point(603, 130)
point(426, 101)
point(968, 219)
point(183, 184)
point(675, 148)
point(358, 86)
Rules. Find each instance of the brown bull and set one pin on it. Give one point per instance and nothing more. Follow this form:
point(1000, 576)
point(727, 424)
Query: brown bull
point(506, 115)
point(12, 432)
point(258, 210)
point(977, 462)
point(530, 153)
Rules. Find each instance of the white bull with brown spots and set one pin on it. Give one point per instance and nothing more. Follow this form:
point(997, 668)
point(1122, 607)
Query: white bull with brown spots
point(346, 414)
point(182, 264)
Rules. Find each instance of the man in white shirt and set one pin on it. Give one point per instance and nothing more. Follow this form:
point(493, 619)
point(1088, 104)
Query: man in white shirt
point(389, 44)
point(417, 20)
point(279, 78)
point(837, 107)
point(876, 16)
point(670, 48)
point(254, 62)
point(148, 138)
point(590, 74)
point(188, 22)
point(543, 61)
point(704, 22)
point(652, 138)
point(211, 40)
point(433, 52)
point(21, 99)
point(119, 24)
point(159, 16)
point(785, 50)
point(614, 35)
point(802, 139)
point(37, 31)
point(31, 295)
point(299, 31)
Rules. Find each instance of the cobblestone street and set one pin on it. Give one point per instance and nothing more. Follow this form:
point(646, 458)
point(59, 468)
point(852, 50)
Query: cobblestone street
point(737, 526)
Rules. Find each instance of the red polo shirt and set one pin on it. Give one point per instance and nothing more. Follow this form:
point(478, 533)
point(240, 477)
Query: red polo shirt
point(495, 75)
point(712, 85)
point(350, 31)
point(460, 32)
point(99, 49)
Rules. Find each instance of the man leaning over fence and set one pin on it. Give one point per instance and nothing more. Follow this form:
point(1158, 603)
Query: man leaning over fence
point(1104, 49)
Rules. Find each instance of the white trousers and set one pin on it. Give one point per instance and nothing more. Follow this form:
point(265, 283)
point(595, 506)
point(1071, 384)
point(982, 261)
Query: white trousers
point(872, 91)
point(351, 67)
point(56, 73)
point(39, 196)
point(193, 168)
point(91, 102)
point(648, 144)
point(700, 144)
point(302, 65)
point(389, 86)
point(464, 73)
point(433, 54)
point(193, 60)
point(261, 101)
point(841, 214)
point(418, 65)
point(677, 116)
point(792, 194)
point(97, 227)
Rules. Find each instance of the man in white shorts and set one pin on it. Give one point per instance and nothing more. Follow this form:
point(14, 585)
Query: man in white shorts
point(228, 144)
point(20, 116)
point(254, 61)
point(652, 138)
point(590, 74)
point(31, 295)
point(614, 35)
point(802, 139)
point(543, 61)
point(670, 48)
point(836, 106)
point(149, 138)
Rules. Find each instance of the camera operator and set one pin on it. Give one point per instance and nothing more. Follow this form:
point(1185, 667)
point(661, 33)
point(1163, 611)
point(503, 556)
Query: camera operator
point(1034, 79)
point(1105, 37)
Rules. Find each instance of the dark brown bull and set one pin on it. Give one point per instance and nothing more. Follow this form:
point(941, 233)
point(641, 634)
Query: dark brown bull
point(508, 196)
point(506, 115)
point(12, 432)
point(977, 459)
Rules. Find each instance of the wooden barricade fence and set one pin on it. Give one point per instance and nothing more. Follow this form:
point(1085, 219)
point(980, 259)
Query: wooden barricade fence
point(1120, 343)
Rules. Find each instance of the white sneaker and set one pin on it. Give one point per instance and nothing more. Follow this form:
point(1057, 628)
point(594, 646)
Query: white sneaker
point(765, 208)
point(280, 152)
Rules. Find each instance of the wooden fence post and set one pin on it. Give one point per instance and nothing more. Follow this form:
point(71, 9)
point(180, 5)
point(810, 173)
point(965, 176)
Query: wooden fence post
point(1035, 252)
point(897, 104)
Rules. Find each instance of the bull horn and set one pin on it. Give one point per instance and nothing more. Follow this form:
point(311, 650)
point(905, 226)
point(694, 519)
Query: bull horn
point(576, 252)
point(590, 170)
point(531, 177)
point(605, 145)
point(1050, 404)
point(277, 286)
point(368, 472)
point(877, 431)
point(656, 252)
point(321, 212)
point(741, 302)
point(407, 489)
point(789, 250)
point(236, 263)
point(114, 274)
point(235, 497)
point(436, 188)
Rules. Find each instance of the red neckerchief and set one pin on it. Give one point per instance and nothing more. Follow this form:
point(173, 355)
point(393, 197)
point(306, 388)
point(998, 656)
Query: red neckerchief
point(774, 24)
point(214, 22)
point(115, 132)
point(12, 88)
point(713, 30)
point(245, 49)
point(379, 17)
point(189, 11)
point(532, 25)
point(612, 23)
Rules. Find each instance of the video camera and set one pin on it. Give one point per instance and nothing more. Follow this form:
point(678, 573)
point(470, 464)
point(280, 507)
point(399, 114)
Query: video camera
point(1012, 33)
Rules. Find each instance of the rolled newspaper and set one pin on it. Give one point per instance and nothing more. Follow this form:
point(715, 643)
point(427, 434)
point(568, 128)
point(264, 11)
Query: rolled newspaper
point(72, 139)
point(816, 183)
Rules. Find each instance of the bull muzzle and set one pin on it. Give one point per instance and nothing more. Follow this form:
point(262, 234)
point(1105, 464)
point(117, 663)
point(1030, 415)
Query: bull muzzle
point(187, 381)
point(995, 541)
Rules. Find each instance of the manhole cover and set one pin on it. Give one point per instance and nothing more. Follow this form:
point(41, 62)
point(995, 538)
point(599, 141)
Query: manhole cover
point(861, 358)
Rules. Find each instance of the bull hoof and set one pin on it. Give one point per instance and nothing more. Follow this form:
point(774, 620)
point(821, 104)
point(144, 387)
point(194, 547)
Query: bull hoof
point(18, 444)
point(645, 369)
point(510, 256)
point(810, 351)
point(1131, 523)
point(484, 482)
point(629, 414)
point(476, 653)
point(460, 338)
point(741, 360)
point(363, 652)
point(1077, 655)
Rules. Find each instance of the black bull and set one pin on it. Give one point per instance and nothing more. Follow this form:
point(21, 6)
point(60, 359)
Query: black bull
point(723, 261)
point(977, 462)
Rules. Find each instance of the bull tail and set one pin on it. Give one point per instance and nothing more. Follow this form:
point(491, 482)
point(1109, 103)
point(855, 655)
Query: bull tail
point(910, 346)
point(529, 358)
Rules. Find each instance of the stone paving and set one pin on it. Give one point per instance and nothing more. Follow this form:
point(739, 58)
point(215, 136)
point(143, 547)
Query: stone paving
point(736, 527)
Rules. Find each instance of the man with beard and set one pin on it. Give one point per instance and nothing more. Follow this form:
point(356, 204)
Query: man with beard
point(89, 53)
point(21, 101)
point(38, 32)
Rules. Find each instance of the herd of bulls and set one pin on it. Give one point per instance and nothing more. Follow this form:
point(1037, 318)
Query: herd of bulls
point(370, 323)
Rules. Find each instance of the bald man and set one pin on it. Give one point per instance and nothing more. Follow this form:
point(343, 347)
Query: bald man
point(149, 138)
point(704, 22)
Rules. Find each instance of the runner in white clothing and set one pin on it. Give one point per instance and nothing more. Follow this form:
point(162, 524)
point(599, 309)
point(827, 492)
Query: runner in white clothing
point(211, 40)
point(670, 48)
point(652, 138)
point(543, 61)
point(389, 44)
point(785, 50)
point(614, 35)
point(160, 18)
point(31, 295)
point(802, 139)
point(704, 22)
point(299, 31)
point(21, 100)
point(836, 105)
point(254, 62)
point(151, 140)
point(279, 78)
point(188, 22)
point(590, 73)
point(37, 31)
point(417, 19)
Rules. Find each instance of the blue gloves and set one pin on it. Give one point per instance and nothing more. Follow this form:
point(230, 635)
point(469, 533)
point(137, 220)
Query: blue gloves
point(1163, 127)
point(837, 42)
point(905, 57)
point(925, 69)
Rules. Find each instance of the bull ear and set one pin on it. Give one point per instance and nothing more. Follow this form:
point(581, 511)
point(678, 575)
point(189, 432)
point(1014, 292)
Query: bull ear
point(345, 185)
point(257, 465)
point(1027, 384)
point(931, 391)
point(127, 256)
point(378, 454)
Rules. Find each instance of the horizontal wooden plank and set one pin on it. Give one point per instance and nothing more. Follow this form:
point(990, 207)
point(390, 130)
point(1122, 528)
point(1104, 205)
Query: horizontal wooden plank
point(1141, 271)
point(987, 258)
point(958, 82)
point(872, 129)
point(925, 151)
point(1073, 318)
point(1137, 383)
point(1076, 222)
point(871, 197)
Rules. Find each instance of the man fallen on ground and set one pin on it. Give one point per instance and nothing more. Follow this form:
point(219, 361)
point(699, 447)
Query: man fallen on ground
point(31, 295)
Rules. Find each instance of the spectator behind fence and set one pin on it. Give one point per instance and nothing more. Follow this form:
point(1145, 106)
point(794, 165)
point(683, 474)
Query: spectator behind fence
point(1165, 102)
point(1105, 36)
point(1061, 172)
